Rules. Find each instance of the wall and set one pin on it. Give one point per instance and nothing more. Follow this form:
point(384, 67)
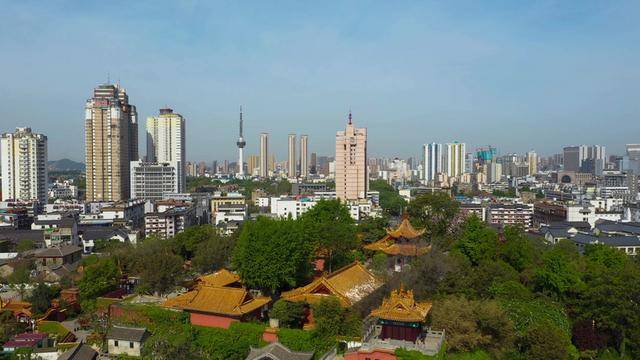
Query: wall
point(211, 320)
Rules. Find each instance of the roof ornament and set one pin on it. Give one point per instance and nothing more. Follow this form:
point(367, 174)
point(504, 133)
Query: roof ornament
point(350, 116)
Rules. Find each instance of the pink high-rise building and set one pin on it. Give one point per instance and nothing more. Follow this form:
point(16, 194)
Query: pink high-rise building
point(352, 177)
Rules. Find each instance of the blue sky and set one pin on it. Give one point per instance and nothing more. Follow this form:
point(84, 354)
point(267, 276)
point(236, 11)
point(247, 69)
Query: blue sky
point(518, 75)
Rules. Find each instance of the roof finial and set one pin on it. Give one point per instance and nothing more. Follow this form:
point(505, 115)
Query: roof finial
point(350, 116)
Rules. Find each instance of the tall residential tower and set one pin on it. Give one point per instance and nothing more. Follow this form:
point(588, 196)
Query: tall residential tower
point(304, 147)
point(291, 159)
point(352, 177)
point(166, 143)
point(111, 143)
point(264, 154)
point(24, 166)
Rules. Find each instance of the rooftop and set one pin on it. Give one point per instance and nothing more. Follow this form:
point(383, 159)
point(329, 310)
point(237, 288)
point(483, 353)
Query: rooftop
point(401, 306)
point(277, 351)
point(127, 333)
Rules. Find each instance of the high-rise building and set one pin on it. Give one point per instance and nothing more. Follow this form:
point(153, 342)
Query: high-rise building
point(313, 166)
point(24, 166)
point(111, 141)
point(225, 167)
point(304, 147)
point(584, 158)
point(151, 180)
point(253, 164)
point(454, 159)
point(166, 142)
point(291, 157)
point(432, 161)
point(241, 143)
point(264, 154)
point(532, 160)
point(352, 178)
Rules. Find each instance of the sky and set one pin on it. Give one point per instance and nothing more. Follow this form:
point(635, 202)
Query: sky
point(518, 75)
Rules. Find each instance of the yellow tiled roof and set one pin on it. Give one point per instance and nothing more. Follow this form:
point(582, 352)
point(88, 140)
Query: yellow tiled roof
point(405, 230)
point(388, 245)
point(218, 300)
point(401, 306)
point(221, 277)
point(350, 284)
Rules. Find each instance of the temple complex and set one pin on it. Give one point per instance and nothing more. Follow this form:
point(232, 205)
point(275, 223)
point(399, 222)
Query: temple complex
point(400, 316)
point(401, 243)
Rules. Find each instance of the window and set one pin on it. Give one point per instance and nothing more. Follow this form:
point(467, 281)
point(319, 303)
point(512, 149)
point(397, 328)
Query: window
point(115, 343)
point(130, 344)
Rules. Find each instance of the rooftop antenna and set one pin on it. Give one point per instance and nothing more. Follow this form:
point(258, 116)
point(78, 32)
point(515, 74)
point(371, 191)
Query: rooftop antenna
point(240, 120)
point(350, 116)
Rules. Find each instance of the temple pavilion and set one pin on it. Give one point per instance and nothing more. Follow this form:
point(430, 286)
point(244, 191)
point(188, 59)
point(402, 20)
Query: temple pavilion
point(401, 317)
point(349, 285)
point(218, 300)
point(401, 243)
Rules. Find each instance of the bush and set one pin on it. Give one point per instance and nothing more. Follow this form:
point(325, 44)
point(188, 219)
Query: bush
point(290, 314)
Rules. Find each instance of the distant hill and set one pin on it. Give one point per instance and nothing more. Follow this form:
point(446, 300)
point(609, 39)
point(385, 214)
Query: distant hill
point(65, 165)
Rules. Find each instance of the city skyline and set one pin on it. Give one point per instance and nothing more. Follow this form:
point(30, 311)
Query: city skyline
point(456, 71)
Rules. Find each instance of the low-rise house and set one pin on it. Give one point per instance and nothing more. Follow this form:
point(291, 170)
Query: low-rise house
point(617, 228)
point(33, 341)
point(55, 257)
point(126, 340)
point(628, 244)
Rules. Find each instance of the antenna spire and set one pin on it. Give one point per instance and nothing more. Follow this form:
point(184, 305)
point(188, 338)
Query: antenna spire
point(350, 117)
point(240, 120)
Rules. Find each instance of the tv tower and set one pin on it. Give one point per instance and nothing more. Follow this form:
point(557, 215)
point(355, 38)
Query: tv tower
point(241, 143)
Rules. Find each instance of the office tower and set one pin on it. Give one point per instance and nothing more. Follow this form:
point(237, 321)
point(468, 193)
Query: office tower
point(454, 159)
point(532, 160)
point(304, 147)
point(201, 168)
point(151, 180)
point(314, 164)
point(633, 158)
point(291, 158)
point(166, 142)
point(111, 141)
point(432, 161)
point(225, 167)
point(584, 158)
point(352, 178)
point(214, 167)
point(264, 154)
point(241, 143)
point(271, 166)
point(24, 166)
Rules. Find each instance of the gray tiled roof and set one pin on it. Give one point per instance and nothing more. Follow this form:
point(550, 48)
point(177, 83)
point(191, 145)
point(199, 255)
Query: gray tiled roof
point(59, 252)
point(277, 351)
point(79, 352)
point(127, 333)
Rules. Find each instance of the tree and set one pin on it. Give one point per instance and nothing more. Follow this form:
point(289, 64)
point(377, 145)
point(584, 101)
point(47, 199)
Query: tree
point(213, 254)
point(20, 278)
point(160, 269)
point(558, 275)
point(516, 250)
point(289, 313)
point(435, 211)
point(41, 297)
point(329, 317)
point(546, 342)
point(390, 200)
point(372, 229)
point(332, 230)
point(25, 245)
point(187, 242)
point(273, 254)
point(478, 242)
point(99, 279)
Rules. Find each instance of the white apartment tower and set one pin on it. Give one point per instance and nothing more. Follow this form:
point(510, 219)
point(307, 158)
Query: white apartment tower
point(352, 177)
point(432, 161)
point(111, 143)
point(264, 155)
point(24, 166)
point(532, 161)
point(454, 159)
point(291, 159)
point(166, 142)
point(304, 147)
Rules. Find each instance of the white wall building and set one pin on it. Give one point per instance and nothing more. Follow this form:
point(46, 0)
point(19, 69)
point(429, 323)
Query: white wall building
point(24, 166)
point(151, 180)
point(454, 159)
point(432, 161)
